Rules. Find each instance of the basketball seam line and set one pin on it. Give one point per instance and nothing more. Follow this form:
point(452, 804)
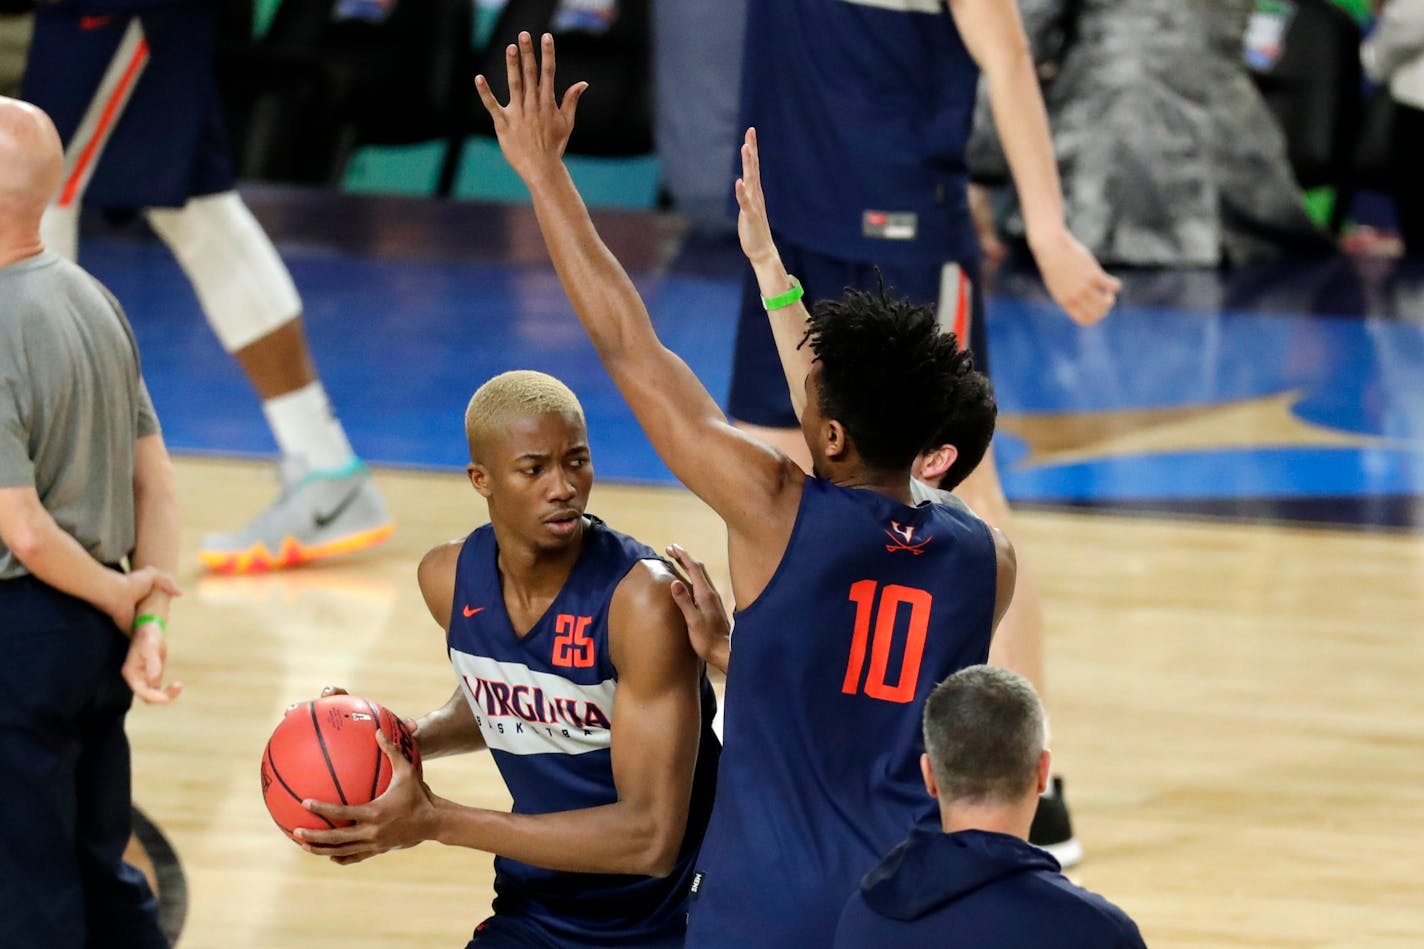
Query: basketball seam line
point(316, 727)
point(295, 796)
point(376, 778)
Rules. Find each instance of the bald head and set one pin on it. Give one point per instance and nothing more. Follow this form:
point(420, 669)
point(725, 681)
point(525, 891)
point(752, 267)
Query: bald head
point(31, 164)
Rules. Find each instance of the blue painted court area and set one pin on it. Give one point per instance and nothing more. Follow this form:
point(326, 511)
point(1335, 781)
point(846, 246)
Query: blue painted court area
point(1208, 403)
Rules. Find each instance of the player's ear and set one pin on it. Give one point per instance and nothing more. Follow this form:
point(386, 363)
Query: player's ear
point(479, 478)
point(935, 463)
point(833, 438)
point(928, 773)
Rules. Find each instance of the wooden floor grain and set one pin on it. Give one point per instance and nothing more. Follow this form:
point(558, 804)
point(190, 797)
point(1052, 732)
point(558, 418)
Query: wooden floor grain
point(1237, 710)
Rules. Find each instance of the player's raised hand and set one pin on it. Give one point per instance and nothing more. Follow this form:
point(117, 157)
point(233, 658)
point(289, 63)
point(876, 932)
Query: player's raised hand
point(403, 816)
point(1074, 279)
point(753, 226)
point(533, 129)
point(708, 627)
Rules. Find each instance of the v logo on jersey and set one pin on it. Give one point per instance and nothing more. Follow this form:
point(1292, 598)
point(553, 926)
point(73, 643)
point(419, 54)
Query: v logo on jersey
point(903, 539)
point(471, 612)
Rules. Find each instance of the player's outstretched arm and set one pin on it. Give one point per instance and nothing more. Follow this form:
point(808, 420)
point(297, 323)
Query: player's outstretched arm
point(740, 478)
point(994, 36)
point(788, 322)
point(656, 724)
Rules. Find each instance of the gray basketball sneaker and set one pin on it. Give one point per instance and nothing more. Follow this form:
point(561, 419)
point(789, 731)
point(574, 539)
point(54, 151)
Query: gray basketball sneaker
point(318, 514)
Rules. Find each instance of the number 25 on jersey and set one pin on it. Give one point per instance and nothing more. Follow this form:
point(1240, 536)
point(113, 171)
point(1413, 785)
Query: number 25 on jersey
point(880, 607)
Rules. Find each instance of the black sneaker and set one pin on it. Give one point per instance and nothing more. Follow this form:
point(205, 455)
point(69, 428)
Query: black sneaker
point(1053, 830)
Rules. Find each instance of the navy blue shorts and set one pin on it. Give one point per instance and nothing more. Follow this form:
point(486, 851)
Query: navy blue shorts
point(513, 932)
point(136, 104)
point(759, 394)
point(65, 760)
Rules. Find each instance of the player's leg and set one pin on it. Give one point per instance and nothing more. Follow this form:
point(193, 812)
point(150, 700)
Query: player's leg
point(1018, 642)
point(328, 504)
point(45, 680)
point(121, 910)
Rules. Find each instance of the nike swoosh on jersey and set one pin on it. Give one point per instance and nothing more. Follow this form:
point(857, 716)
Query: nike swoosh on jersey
point(471, 612)
point(94, 22)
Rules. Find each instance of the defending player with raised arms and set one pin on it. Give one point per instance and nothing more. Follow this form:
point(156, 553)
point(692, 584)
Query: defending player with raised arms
point(575, 671)
point(853, 600)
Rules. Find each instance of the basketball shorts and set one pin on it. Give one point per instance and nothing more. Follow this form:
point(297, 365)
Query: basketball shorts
point(508, 931)
point(136, 104)
point(759, 395)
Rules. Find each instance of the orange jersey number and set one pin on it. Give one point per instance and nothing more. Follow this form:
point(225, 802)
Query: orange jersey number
point(865, 595)
point(573, 647)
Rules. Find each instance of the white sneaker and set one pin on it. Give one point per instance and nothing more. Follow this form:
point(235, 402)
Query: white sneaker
point(318, 514)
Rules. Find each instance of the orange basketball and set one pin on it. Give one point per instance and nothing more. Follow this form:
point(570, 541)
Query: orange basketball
point(326, 750)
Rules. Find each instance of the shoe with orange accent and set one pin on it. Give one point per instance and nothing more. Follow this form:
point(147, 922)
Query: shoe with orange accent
point(318, 514)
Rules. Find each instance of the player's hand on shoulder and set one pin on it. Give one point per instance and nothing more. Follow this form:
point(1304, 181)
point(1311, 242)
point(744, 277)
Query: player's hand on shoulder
point(405, 815)
point(533, 129)
point(1074, 278)
point(708, 625)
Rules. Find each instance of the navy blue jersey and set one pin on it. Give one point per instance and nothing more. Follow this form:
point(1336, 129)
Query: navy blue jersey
point(873, 604)
point(130, 87)
point(863, 110)
point(544, 703)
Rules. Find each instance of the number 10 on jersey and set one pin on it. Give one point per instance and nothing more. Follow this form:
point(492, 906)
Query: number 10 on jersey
point(880, 607)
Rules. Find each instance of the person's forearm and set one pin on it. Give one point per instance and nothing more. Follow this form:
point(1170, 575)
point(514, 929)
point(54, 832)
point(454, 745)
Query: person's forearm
point(449, 730)
point(788, 328)
point(56, 558)
point(614, 838)
point(1022, 122)
point(602, 294)
point(158, 529)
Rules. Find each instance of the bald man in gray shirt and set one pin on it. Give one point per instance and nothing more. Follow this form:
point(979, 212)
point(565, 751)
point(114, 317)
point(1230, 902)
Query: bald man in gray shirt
point(85, 484)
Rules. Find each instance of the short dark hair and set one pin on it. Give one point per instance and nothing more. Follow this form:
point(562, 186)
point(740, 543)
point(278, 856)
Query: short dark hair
point(984, 731)
point(888, 374)
point(969, 426)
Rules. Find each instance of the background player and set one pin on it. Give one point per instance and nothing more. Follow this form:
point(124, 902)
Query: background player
point(130, 86)
point(867, 161)
point(974, 881)
point(84, 483)
point(575, 671)
point(852, 601)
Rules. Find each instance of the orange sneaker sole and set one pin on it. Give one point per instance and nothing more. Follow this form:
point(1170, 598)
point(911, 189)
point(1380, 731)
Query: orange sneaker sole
point(258, 559)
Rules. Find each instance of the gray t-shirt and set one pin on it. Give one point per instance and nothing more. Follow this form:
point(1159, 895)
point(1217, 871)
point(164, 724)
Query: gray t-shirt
point(72, 404)
point(920, 492)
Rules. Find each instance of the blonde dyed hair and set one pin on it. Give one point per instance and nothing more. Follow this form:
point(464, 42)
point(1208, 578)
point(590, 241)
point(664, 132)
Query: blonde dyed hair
point(511, 396)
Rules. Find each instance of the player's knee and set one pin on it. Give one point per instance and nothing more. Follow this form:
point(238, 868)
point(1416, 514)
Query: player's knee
point(243, 286)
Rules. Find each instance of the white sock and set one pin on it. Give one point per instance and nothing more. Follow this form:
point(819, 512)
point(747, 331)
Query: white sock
point(306, 428)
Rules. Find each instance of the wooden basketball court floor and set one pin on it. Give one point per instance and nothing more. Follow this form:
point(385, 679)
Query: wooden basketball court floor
point(1237, 709)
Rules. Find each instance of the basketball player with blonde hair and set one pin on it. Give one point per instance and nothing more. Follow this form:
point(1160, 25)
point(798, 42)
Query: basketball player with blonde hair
point(575, 671)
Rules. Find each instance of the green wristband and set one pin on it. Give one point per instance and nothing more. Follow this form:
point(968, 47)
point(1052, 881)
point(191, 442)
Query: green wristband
point(147, 618)
point(784, 299)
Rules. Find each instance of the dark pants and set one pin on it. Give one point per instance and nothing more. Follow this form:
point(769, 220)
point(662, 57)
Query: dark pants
point(511, 932)
point(1407, 158)
point(64, 770)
